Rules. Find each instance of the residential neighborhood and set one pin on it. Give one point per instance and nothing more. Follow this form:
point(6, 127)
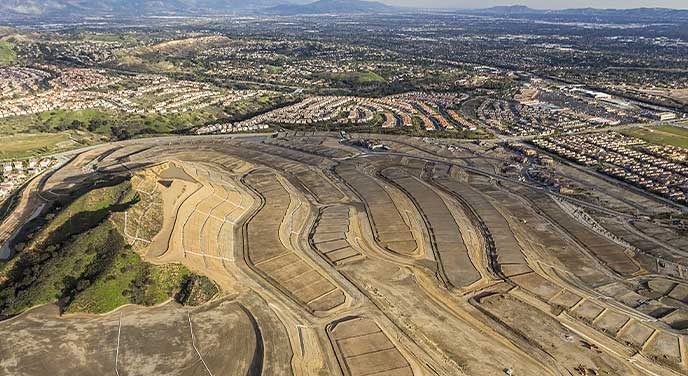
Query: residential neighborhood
point(15, 173)
point(657, 168)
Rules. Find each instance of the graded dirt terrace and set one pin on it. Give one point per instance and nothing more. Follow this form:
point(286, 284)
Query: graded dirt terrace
point(507, 257)
point(330, 235)
point(270, 256)
point(446, 235)
point(334, 260)
point(364, 349)
point(392, 230)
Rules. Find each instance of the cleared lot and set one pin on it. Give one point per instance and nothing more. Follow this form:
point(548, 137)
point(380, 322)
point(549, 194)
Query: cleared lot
point(364, 349)
point(134, 341)
point(388, 223)
point(269, 255)
point(446, 236)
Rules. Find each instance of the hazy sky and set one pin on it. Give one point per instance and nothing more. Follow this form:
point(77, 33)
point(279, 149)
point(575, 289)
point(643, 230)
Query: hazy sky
point(543, 4)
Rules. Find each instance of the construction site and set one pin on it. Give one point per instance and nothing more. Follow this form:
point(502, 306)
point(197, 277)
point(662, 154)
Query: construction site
point(333, 259)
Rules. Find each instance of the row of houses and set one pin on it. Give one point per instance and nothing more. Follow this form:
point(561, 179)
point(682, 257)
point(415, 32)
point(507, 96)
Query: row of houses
point(15, 173)
point(396, 111)
point(224, 128)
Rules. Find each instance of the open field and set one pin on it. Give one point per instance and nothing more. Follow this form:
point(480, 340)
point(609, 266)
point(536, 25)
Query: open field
point(21, 146)
point(661, 135)
point(352, 78)
point(319, 258)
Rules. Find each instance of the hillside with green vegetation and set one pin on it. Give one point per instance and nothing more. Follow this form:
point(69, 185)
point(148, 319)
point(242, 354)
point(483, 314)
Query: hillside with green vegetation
point(58, 131)
point(111, 124)
point(247, 108)
point(7, 53)
point(79, 259)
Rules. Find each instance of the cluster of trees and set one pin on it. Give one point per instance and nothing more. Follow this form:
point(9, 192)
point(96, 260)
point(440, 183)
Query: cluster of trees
point(137, 290)
point(195, 290)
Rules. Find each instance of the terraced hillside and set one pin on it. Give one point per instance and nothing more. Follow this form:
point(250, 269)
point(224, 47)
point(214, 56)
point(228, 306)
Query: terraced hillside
point(308, 255)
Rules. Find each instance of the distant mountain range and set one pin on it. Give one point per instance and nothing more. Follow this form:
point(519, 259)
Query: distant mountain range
point(130, 7)
point(156, 7)
point(81, 8)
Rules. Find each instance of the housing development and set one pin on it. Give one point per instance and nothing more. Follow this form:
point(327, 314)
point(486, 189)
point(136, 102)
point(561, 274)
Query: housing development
point(342, 187)
point(656, 168)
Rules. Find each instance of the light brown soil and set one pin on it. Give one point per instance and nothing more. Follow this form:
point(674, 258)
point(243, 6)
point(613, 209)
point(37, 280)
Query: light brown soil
point(332, 263)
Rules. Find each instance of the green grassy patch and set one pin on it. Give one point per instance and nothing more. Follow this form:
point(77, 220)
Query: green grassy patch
point(7, 54)
point(661, 135)
point(273, 69)
point(60, 118)
point(247, 108)
point(30, 145)
point(353, 78)
point(121, 125)
point(366, 77)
